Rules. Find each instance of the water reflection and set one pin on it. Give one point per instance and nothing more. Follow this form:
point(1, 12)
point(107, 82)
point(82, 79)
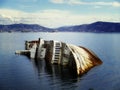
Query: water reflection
point(55, 75)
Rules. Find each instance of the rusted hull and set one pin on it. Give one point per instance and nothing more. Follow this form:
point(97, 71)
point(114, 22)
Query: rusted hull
point(84, 59)
point(79, 59)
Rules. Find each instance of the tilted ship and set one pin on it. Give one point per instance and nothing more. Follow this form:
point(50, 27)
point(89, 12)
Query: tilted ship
point(77, 58)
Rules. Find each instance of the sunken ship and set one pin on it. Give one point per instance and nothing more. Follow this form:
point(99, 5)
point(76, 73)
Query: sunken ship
point(79, 59)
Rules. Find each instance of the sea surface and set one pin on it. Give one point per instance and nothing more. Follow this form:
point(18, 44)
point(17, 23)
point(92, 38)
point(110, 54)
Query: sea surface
point(18, 72)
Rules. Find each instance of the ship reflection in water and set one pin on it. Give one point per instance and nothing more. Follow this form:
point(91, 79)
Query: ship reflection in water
point(53, 69)
point(55, 75)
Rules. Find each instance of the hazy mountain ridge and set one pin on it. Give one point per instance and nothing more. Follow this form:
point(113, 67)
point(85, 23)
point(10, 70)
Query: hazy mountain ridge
point(24, 28)
point(97, 27)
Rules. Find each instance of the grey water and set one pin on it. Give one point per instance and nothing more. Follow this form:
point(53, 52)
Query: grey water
point(18, 72)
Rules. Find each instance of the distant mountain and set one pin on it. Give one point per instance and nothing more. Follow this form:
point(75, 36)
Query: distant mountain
point(97, 27)
point(24, 28)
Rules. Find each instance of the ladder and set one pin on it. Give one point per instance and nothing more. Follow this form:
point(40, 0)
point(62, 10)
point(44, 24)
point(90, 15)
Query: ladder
point(56, 52)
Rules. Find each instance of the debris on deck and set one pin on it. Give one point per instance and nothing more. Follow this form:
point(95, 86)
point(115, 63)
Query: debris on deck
point(79, 59)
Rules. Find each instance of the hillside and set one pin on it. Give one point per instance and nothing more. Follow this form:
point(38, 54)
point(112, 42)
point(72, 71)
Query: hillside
point(24, 28)
point(97, 27)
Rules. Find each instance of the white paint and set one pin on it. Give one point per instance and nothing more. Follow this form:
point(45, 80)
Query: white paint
point(33, 51)
point(39, 51)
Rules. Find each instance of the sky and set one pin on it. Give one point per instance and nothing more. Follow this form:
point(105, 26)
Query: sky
point(57, 13)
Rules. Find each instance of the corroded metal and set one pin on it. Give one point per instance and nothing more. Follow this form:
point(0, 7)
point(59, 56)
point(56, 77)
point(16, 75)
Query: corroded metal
point(79, 59)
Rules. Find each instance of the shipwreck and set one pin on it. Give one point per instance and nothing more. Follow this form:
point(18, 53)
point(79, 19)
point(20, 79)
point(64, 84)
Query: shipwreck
point(79, 59)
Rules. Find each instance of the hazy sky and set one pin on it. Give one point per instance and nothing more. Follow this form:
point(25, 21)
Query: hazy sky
point(55, 13)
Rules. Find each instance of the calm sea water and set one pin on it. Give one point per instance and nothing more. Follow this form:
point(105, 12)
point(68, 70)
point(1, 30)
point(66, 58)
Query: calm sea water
point(18, 72)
